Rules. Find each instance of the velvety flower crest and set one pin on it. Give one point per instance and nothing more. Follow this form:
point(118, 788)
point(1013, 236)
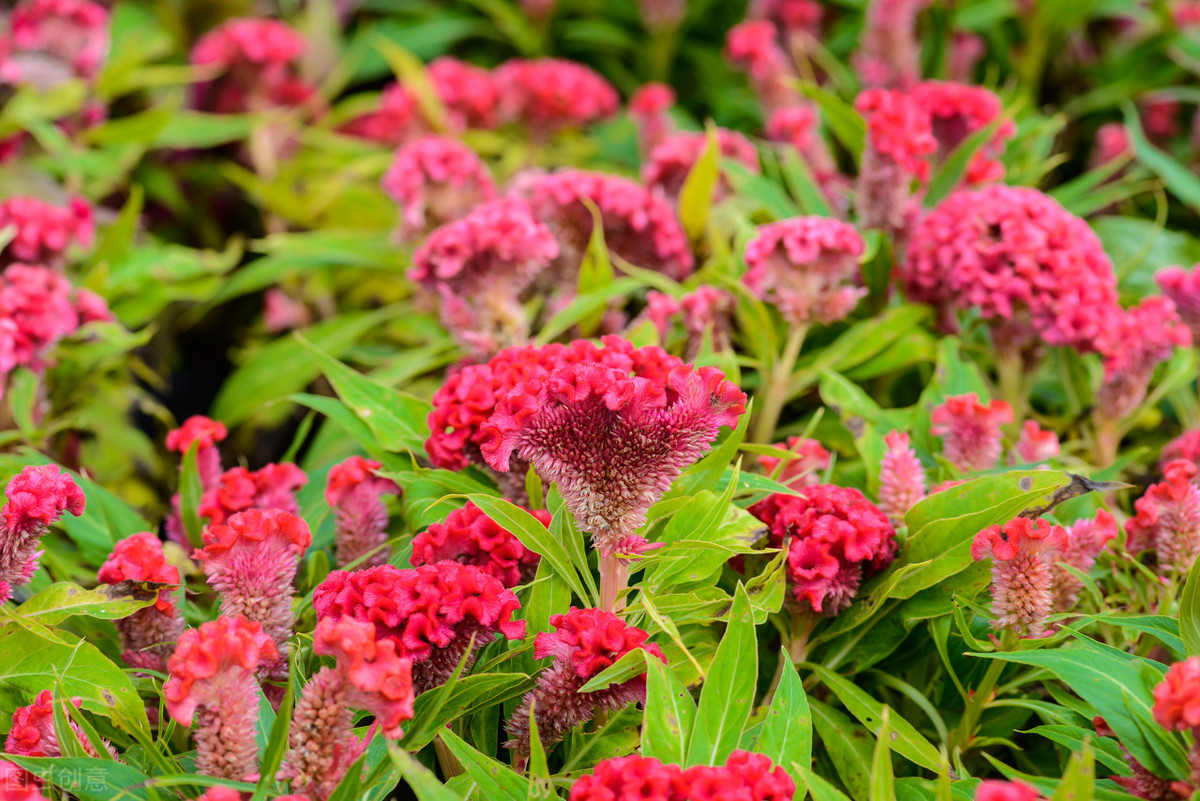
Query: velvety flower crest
point(1036, 444)
point(1167, 519)
point(1023, 553)
point(649, 107)
point(43, 231)
point(436, 180)
point(470, 537)
point(257, 61)
point(549, 94)
point(356, 494)
point(1177, 696)
point(238, 489)
point(970, 430)
point(205, 433)
point(1185, 446)
point(957, 111)
point(753, 47)
point(37, 498)
point(18, 784)
point(898, 128)
point(996, 790)
point(1136, 341)
point(468, 94)
point(1183, 288)
point(32, 733)
point(148, 634)
point(743, 777)
point(55, 39)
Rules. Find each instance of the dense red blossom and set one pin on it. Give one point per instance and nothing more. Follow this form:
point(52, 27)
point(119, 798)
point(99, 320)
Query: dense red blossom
point(149, 634)
point(468, 94)
point(43, 231)
point(649, 107)
point(626, 778)
point(899, 127)
point(36, 311)
point(470, 537)
point(1183, 288)
point(996, 790)
point(355, 492)
point(18, 784)
point(33, 735)
point(436, 180)
point(957, 111)
point(1177, 696)
point(381, 681)
point(590, 640)
point(901, 477)
point(1022, 554)
point(970, 430)
point(1136, 341)
point(239, 489)
point(196, 429)
point(794, 125)
point(1167, 519)
point(55, 39)
point(257, 62)
point(1185, 446)
point(812, 459)
point(397, 119)
point(548, 94)
point(37, 498)
point(743, 777)
point(672, 160)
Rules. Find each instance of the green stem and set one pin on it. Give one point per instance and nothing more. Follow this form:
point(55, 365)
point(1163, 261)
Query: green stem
point(1107, 439)
point(1010, 373)
point(980, 698)
point(775, 392)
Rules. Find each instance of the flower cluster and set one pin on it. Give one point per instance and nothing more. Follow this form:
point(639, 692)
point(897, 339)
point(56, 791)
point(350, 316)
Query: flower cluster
point(470, 537)
point(901, 477)
point(549, 94)
point(1022, 554)
point(649, 107)
point(743, 777)
point(18, 784)
point(356, 494)
point(32, 733)
point(995, 790)
point(42, 231)
point(956, 112)
point(752, 47)
point(1085, 539)
point(899, 144)
point(794, 125)
point(1183, 288)
point(1036, 444)
point(239, 489)
point(1133, 345)
point(436, 180)
point(1185, 446)
point(205, 433)
point(1167, 519)
point(255, 67)
point(970, 430)
point(802, 470)
point(36, 311)
point(53, 40)
point(671, 161)
point(148, 635)
point(1143, 783)
point(37, 498)
point(791, 16)
point(1177, 708)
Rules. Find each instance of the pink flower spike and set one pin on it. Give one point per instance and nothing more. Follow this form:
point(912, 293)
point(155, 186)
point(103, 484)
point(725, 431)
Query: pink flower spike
point(1183, 288)
point(436, 180)
point(212, 685)
point(148, 634)
point(901, 477)
point(37, 498)
point(995, 790)
point(583, 643)
point(959, 110)
point(468, 93)
point(791, 16)
point(587, 424)
point(801, 472)
point(806, 267)
point(889, 53)
point(970, 430)
point(672, 160)
point(707, 309)
point(356, 494)
point(470, 537)
point(649, 109)
point(899, 144)
point(753, 48)
point(1167, 520)
point(1086, 539)
point(206, 433)
point(549, 94)
point(1036, 443)
point(744, 775)
point(1133, 345)
point(18, 784)
point(44, 231)
point(1022, 554)
point(53, 40)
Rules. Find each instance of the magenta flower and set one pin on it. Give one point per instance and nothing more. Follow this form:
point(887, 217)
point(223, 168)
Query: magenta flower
point(1086, 539)
point(996, 790)
point(1167, 519)
point(791, 16)
point(205, 433)
point(149, 634)
point(744, 777)
point(549, 94)
point(793, 125)
point(1185, 446)
point(238, 489)
point(369, 675)
point(470, 537)
point(806, 267)
point(435, 181)
point(707, 310)
point(469, 94)
point(1036, 444)
point(583, 643)
point(1177, 708)
point(752, 47)
point(36, 311)
point(256, 62)
point(18, 784)
point(44, 231)
point(396, 120)
point(970, 430)
point(1183, 288)
point(649, 109)
point(900, 142)
point(32, 733)
point(966, 51)
point(212, 685)
point(1133, 345)
point(798, 473)
point(671, 161)
point(889, 54)
point(37, 497)
point(356, 494)
point(53, 40)
point(901, 477)
point(282, 312)
point(957, 111)
point(1023, 555)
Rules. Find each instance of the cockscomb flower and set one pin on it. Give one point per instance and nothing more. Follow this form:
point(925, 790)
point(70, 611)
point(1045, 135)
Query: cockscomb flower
point(996, 790)
point(639, 225)
point(398, 118)
point(793, 125)
point(743, 776)
point(470, 537)
point(707, 309)
point(901, 477)
point(238, 489)
point(1023, 554)
point(970, 430)
point(835, 539)
point(257, 61)
point(957, 111)
point(204, 433)
point(1035, 444)
point(212, 684)
point(356, 494)
point(583, 643)
point(1183, 288)
point(1133, 345)
point(649, 109)
point(43, 231)
point(889, 54)
point(627, 777)
point(899, 144)
point(369, 675)
point(753, 48)
point(435, 613)
point(35, 313)
point(965, 52)
point(1034, 271)
point(1167, 519)
point(671, 161)
point(33, 735)
point(812, 459)
point(53, 40)
point(791, 16)
point(611, 442)
point(661, 309)
point(468, 94)
point(1185, 446)
point(37, 497)
point(806, 267)
point(1086, 539)
point(18, 784)
point(1177, 696)
point(436, 180)
point(549, 94)
point(149, 634)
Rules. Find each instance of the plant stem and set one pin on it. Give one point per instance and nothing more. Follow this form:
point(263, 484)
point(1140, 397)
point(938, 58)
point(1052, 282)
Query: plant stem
point(614, 575)
point(980, 698)
point(776, 390)
point(1010, 372)
point(1108, 439)
point(449, 764)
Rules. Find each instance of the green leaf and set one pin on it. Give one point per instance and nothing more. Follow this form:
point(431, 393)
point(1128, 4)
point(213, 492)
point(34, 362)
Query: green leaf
point(595, 271)
point(197, 129)
point(65, 599)
point(803, 184)
point(883, 782)
point(1178, 178)
point(669, 717)
point(1079, 781)
point(91, 779)
point(728, 693)
point(950, 172)
point(695, 198)
point(497, 782)
point(1189, 611)
point(848, 746)
point(820, 789)
point(1107, 750)
point(787, 731)
point(847, 124)
point(629, 666)
point(419, 779)
point(706, 473)
point(191, 491)
point(277, 743)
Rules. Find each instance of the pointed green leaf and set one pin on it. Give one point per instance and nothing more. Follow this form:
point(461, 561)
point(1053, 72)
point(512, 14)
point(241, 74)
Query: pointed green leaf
point(728, 693)
point(670, 715)
point(1189, 611)
point(497, 781)
point(695, 198)
point(787, 731)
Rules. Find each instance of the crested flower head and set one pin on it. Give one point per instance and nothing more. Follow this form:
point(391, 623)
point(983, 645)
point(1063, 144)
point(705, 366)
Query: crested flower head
point(590, 640)
point(468, 93)
point(1177, 696)
point(1183, 288)
point(743, 777)
point(899, 128)
point(806, 267)
point(33, 735)
point(205, 433)
point(256, 61)
point(794, 125)
point(791, 16)
point(37, 498)
point(1022, 554)
point(43, 232)
point(627, 777)
point(804, 469)
point(613, 443)
point(381, 681)
point(753, 48)
point(889, 54)
point(239, 489)
point(1167, 519)
point(970, 430)
point(672, 160)
point(470, 537)
point(708, 309)
point(835, 539)
point(53, 40)
point(1185, 446)
point(18, 784)
point(649, 109)
point(957, 111)
point(397, 119)
point(356, 494)
point(549, 94)
point(436, 180)
point(901, 477)
point(1133, 345)
point(149, 634)
point(1085, 540)
point(35, 313)
point(1036, 444)
point(996, 790)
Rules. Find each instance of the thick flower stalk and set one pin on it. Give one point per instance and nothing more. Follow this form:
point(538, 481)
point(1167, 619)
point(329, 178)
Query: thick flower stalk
point(900, 143)
point(804, 469)
point(672, 160)
point(212, 685)
point(37, 498)
point(649, 107)
point(1134, 344)
point(239, 489)
point(970, 430)
point(1086, 539)
point(547, 95)
point(355, 493)
point(54, 40)
point(957, 111)
point(583, 643)
point(889, 54)
point(18, 784)
point(479, 267)
point(743, 777)
point(256, 67)
point(436, 614)
point(1023, 555)
point(33, 735)
point(43, 231)
point(470, 537)
point(1036, 444)
point(369, 675)
point(1177, 708)
point(1183, 288)
point(1167, 520)
point(148, 635)
point(901, 477)
point(436, 180)
point(996, 790)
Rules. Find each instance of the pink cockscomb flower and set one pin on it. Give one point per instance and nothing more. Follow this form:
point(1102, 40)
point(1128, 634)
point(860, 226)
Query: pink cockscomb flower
point(283, 312)
point(1133, 345)
point(436, 614)
point(806, 267)
point(148, 635)
point(37, 498)
point(355, 493)
point(661, 310)
point(966, 51)
point(627, 777)
point(1112, 143)
point(959, 110)
point(33, 735)
point(397, 119)
point(212, 685)
point(583, 643)
point(996, 790)
point(1167, 519)
point(205, 433)
point(672, 160)
point(256, 65)
point(900, 143)
point(649, 109)
point(1034, 271)
point(369, 675)
point(1023, 554)
point(889, 53)
point(1177, 696)
point(1183, 288)
point(468, 94)
point(1143, 783)
point(53, 40)
point(805, 470)
point(549, 94)
point(1185, 446)
point(639, 225)
point(480, 265)
point(43, 232)
point(239, 489)
point(436, 180)
point(753, 47)
point(1036, 444)
point(970, 430)
point(744, 776)
point(791, 16)
point(470, 537)
point(901, 477)
point(835, 539)
point(18, 784)
point(35, 313)
point(793, 125)
point(1086, 539)
point(707, 311)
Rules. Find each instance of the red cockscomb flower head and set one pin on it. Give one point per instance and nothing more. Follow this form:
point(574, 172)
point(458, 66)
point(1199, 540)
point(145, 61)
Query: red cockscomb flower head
point(1022, 553)
point(708, 310)
point(470, 537)
point(258, 64)
point(793, 125)
point(957, 111)
point(583, 643)
point(996, 790)
point(806, 267)
point(32, 733)
point(36, 312)
point(970, 430)
point(369, 675)
point(626, 778)
point(397, 119)
point(1183, 288)
point(835, 538)
point(753, 48)
point(898, 128)
point(649, 109)
point(1035, 271)
point(1167, 519)
point(148, 634)
point(53, 40)
point(901, 477)
point(435, 181)
point(639, 225)
point(744, 776)
point(1185, 446)
point(434, 613)
point(468, 93)
point(549, 94)
point(1086, 538)
point(1177, 696)
point(805, 470)
point(44, 231)
point(586, 424)
point(238, 489)
point(1036, 444)
point(1133, 345)
point(212, 684)
point(661, 310)
point(224, 794)
point(37, 498)
point(791, 16)
point(92, 308)
point(356, 494)
point(889, 54)
point(671, 161)
point(18, 784)
point(205, 433)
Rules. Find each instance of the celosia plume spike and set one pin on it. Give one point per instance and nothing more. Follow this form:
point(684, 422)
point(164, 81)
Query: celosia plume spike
point(1086, 539)
point(970, 430)
point(149, 634)
point(1022, 554)
point(37, 497)
point(356, 494)
point(1167, 519)
point(901, 477)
